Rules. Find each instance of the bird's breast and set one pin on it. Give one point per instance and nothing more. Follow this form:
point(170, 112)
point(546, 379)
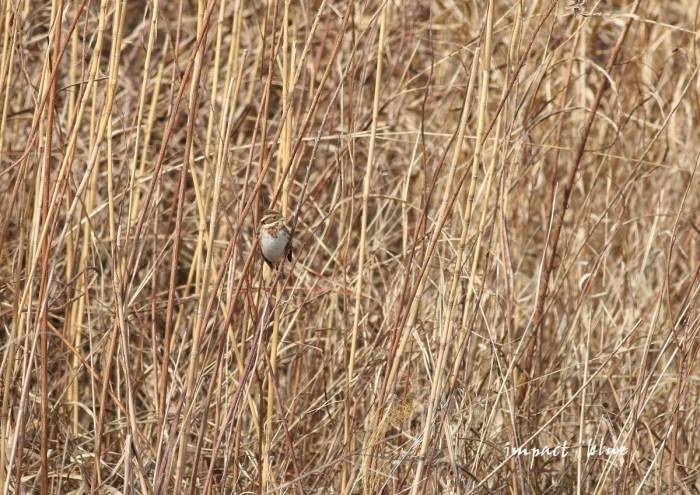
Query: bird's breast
point(274, 246)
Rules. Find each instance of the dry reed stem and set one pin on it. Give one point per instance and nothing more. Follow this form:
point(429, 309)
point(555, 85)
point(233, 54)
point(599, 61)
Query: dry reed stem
point(526, 265)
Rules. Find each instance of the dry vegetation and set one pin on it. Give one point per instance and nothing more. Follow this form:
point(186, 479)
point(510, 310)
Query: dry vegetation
point(495, 246)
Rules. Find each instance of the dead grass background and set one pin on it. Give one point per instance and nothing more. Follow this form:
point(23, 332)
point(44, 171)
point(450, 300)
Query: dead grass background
point(495, 246)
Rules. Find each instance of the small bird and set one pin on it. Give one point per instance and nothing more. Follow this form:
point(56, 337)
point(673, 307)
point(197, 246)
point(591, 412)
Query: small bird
point(579, 7)
point(275, 238)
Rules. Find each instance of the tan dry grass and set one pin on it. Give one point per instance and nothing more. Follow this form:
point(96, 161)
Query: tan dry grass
point(495, 213)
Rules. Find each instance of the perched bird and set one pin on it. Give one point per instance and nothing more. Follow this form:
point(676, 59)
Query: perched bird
point(275, 238)
point(579, 7)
